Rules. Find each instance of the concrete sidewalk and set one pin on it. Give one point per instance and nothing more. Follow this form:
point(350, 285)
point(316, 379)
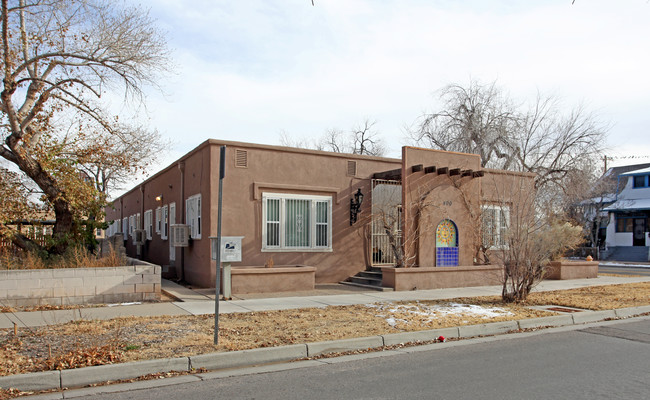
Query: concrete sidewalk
point(193, 302)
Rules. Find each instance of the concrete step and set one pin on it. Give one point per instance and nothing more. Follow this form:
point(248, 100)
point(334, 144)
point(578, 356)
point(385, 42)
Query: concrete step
point(372, 287)
point(365, 280)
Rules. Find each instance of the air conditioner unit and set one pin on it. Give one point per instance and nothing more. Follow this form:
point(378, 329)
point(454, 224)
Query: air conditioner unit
point(180, 235)
point(139, 236)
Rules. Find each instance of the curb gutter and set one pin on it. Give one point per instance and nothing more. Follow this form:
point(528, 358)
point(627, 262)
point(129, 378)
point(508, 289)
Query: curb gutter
point(79, 377)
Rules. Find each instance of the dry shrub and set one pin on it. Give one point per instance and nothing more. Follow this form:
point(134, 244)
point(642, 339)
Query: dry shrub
point(75, 257)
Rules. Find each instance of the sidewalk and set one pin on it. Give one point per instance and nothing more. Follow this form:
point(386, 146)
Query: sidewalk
point(199, 302)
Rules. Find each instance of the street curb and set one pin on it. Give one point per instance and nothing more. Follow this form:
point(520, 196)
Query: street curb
point(493, 328)
point(592, 316)
point(114, 372)
point(250, 357)
point(554, 320)
point(419, 336)
point(338, 346)
point(90, 375)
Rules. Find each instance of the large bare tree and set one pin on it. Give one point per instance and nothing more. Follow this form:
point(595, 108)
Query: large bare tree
point(542, 138)
point(60, 60)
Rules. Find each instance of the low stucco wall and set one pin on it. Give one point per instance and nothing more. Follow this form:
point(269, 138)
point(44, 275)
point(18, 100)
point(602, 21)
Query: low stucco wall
point(34, 287)
point(276, 279)
point(572, 270)
point(441, 277)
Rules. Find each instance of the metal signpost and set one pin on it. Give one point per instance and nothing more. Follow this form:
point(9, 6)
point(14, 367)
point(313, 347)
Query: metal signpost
point(222, 174)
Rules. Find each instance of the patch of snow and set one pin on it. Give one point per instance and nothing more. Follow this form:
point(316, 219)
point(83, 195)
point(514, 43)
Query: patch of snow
point(124, 304)
point(389, 310)
point(615, 264)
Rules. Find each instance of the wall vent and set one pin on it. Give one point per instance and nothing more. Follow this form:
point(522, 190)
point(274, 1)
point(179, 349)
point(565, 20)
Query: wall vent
point(352, 168)
point(241, 158)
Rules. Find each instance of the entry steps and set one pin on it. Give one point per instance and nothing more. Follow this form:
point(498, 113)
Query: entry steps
point(369, 279)
point(626, 253)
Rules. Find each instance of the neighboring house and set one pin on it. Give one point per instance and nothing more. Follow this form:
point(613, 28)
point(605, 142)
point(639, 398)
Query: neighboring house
point(297, 207)
point(628, 221)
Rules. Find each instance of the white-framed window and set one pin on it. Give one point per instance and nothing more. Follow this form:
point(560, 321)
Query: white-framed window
point(193, 215)
point(158, 220)
point(494, 226)
point(172, 221)
point(148, 224)
point(125, 227)
point(292, 222)
point(165, 223)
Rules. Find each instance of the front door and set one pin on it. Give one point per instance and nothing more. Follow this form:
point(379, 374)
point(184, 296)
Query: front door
point(639, 232)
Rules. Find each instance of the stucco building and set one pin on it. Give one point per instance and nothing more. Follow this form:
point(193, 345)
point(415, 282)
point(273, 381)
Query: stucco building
point(298, 207)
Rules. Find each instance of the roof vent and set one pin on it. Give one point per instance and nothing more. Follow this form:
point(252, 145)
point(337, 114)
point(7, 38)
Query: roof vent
point(241, 158)
point(352, 168)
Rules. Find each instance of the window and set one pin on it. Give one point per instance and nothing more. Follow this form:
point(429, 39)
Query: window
point(125, 227)
point(640, 181)
point(158, 220)
point(148, 225)
point(165, 224)
point(131, 225)
point(494, 229)
point(296, 222)
point(193, 215)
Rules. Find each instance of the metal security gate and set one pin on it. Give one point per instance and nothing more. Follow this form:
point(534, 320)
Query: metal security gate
point(386, 220)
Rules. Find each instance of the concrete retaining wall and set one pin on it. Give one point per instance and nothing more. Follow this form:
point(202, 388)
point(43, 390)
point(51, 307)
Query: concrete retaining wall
point(572, 270)
point(34, 287)
point(421, 278)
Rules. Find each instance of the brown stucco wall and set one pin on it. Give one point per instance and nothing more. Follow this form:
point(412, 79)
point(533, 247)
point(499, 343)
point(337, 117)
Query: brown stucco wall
point(433, 197)
point(273, 169)
point(269, 169)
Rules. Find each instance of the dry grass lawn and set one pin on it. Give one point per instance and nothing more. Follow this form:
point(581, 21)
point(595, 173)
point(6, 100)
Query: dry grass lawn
point(84, 343)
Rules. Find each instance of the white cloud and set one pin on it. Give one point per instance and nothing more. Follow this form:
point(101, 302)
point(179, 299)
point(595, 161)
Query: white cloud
point(251, 69)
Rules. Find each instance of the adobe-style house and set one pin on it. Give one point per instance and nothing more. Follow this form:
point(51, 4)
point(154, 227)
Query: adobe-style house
point(340, 214)
point(628, 222)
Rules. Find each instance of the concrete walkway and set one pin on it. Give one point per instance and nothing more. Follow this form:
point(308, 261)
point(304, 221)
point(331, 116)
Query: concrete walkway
point(198, 302)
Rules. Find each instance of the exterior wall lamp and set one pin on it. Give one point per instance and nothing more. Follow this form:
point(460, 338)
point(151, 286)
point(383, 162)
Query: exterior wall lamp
point(159, 197)
point(355, 206)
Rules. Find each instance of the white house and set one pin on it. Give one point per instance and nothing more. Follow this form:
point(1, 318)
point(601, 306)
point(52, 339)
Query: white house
point(628, 228)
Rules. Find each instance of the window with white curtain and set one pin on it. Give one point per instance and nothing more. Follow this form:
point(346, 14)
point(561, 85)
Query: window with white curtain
point(165, 223)
point(296, 222)
point(193, 215)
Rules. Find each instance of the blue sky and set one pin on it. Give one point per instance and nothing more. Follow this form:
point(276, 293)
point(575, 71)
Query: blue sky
point(249, 70)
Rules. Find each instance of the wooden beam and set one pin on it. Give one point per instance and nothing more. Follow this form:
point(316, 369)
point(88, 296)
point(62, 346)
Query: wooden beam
point(430, 169)
point(455, 171)
point(478, 174)
point(392, 175)
point(417, 168)
point(443, 170)
point(466, 172)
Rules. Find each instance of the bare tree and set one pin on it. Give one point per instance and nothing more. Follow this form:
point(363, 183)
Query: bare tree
point(531, 239)
point(478, 119)
point(361, 139)
point(365, 140)
point(542, 139)
point(62, 56)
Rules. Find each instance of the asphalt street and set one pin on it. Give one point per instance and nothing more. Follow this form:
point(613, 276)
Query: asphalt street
point(608, 360)
point(604, 269)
